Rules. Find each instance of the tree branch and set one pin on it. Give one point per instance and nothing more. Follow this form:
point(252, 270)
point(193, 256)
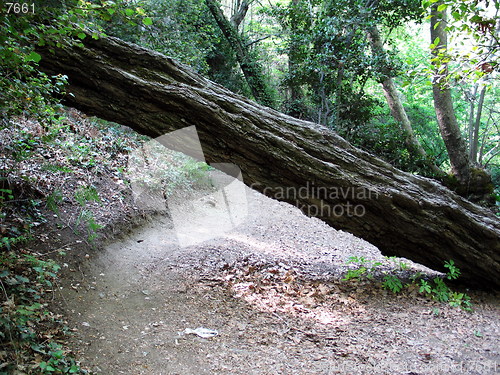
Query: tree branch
point(257, 41)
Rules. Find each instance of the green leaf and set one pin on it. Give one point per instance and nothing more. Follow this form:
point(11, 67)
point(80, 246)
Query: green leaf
point(442, 7)
point(82, 35)
point(476, 19)
point(33, 56)
point(111, 11)
point(22, 279)
point(58, 354)
point(147, 21)
point(129, 12)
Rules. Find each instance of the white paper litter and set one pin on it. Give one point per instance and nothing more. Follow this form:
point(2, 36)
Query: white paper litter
point(201, 332)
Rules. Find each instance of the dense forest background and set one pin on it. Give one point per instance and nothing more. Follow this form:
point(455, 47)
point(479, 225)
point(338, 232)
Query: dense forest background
point(412, 82)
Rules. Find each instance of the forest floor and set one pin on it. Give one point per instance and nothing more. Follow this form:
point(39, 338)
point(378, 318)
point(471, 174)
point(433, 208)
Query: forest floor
point(270, 291)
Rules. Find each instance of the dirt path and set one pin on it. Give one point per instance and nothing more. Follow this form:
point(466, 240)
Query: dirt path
point(270, 289)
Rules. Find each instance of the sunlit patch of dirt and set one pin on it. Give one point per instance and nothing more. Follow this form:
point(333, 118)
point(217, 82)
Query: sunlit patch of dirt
point(283, 289)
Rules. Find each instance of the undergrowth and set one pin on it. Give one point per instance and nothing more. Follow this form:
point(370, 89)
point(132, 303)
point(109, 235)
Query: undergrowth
point(31, 336)
point(434, 288)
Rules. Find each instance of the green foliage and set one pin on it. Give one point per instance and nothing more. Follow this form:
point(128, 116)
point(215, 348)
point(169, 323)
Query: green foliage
point(330, 58)
point(196, 172)
point(365, 268)
point(182, 29)
point(393, 283)
point(453, 271)
point(82, 152)
point(86, 194)
point(86, 217)
point(27, 329)
point(438, 290)
point(54, 199)
point(435, 288)
point(5, 194)
point(56, 168)
point(476, 54)
point(381, 135)
point(24, 89)
point(425, 287)
point(22, 147)
point(15, 230)
point(355, 273)
point(166, 172)
point(83, 196)
point(401, 264)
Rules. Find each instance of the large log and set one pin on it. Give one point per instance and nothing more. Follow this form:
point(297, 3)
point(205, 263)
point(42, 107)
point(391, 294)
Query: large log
point(292, 160)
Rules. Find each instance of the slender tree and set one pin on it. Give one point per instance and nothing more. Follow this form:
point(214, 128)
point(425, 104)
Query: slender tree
point(296, 97)
point(395, 104)
point(250, 67)
point(443, 103)
point(474, 131)
point(240, 11)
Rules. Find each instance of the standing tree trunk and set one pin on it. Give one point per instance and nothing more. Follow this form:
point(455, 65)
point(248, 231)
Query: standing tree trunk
point(251, 68)
point(295, 105)
point(471, 96)
point(286, 158)
point(239, 13)
point(474, 141)
point(396, 106)
point(443, 103)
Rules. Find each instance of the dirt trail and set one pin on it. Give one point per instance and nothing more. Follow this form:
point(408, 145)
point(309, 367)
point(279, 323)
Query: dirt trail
point(270, 288)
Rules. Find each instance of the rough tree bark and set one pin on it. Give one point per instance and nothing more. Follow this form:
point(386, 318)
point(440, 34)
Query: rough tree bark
point(398, 111)
point(403, 214)
point(443, 103)
point(251, 69)
point(474, 183)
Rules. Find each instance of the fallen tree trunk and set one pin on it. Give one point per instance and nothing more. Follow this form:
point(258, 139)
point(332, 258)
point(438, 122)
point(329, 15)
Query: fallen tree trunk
point(290, 159)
